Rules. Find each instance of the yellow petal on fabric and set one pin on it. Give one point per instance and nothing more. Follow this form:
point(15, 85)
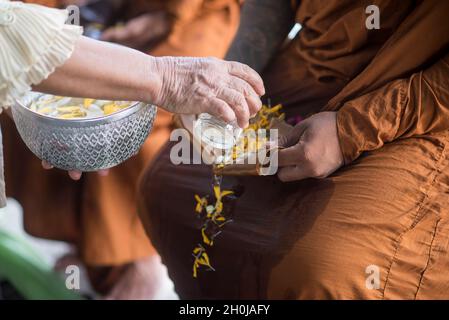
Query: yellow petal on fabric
point(204, 262)
point(219, 207)
point(206, 239)
point(201, 203)
point(195, 270)
point(217, 192)
point(205, 256)
point(227, 193)
point(220, 219)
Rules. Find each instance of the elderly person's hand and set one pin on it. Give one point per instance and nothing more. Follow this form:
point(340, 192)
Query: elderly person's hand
point(229, 90)
point(312, 149)
point(74, 175)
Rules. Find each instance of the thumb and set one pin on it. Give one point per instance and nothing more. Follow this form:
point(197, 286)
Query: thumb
point(292, 137)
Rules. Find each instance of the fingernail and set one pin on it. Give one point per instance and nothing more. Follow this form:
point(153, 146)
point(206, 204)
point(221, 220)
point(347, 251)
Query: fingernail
point(245, 125)
point(75, 175)
point(46, 165)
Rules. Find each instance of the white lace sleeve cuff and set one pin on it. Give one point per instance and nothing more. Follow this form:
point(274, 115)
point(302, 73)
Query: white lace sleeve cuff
point(34, 41)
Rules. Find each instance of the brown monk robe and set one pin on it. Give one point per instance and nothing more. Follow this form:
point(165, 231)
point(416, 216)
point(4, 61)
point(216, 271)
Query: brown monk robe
point(99, 214)
point(48, 3)
point(384, 216)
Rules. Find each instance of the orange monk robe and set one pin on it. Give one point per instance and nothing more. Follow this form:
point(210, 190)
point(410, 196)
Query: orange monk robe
point(385, 214)
point(99, 214)
point(48, 3)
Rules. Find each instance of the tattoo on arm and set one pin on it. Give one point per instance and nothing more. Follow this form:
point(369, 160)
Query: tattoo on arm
point(264, 26)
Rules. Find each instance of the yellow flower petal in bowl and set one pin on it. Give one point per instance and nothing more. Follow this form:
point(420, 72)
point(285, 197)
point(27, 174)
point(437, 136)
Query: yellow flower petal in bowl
point(111, 108)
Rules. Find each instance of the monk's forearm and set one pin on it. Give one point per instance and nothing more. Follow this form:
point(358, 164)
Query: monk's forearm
point(401, 109)
point(264, 26)
point(105, 71)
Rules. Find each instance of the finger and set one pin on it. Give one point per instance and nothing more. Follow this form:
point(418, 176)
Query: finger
point(238, 103)
point(46, 165)
point(254, 105)
point(103, 173)
point(75, 175)
point(292, 156)
point(220, 109)
point(293, 173)
point(249, 75)
point(293, 136)
point(252, 98)
point(116, 34)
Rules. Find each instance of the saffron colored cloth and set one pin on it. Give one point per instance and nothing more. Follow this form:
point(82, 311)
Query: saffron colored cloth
point(378, 228)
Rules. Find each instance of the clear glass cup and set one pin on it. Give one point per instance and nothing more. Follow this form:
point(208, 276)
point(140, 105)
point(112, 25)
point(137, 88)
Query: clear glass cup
point(216, 134)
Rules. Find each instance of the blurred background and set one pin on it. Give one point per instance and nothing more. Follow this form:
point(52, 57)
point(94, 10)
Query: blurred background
point(30, 274)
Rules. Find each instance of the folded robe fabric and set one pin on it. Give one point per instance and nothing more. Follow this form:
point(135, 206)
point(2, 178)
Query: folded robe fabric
point(336, 59)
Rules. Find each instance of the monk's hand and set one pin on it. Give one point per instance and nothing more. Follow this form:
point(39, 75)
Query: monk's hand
point(228, 90)
point(74, 175)
point(312, 149)
point(141, 31)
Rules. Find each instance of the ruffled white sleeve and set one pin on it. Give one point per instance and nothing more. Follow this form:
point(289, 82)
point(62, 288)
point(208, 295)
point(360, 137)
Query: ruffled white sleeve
point(34, 41)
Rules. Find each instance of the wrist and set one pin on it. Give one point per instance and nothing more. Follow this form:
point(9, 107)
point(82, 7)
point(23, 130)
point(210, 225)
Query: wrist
point(154, 75)
point(162, 74)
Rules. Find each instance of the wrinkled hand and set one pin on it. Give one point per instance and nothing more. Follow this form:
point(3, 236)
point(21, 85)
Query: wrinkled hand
point(74, 175)
point(228, 90)
point(312, 149)
point(140, 31)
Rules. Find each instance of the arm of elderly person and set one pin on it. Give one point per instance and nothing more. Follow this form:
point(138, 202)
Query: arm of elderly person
point(53, 57)
point(180, 85)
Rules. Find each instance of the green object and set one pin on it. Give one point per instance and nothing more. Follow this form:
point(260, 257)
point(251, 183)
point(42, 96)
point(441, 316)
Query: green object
point(29, 273)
